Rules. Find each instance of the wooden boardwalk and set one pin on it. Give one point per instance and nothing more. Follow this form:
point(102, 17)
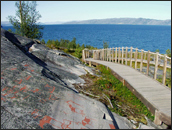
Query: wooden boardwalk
point(145, 61)
point(127, 56)
point(156, 96)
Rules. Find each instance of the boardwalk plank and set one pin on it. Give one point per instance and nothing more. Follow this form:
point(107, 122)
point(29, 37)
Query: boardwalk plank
point(152, 91)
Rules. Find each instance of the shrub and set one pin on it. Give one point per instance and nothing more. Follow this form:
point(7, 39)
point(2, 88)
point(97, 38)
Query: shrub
point(105, 45)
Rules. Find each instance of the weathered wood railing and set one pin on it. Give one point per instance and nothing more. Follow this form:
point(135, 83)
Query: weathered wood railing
point(130, 55)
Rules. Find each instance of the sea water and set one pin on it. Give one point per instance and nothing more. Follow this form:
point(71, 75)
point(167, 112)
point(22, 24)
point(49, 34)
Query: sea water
point(147, 37)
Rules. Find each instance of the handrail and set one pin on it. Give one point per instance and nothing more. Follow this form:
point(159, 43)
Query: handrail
point(130, 54)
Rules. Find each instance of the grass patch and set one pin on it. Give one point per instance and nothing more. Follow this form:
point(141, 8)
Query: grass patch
point(124, 102)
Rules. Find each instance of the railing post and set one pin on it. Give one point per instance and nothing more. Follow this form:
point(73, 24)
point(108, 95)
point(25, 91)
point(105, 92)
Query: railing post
point(100, 55)
point(106, 54)
point(110, 57)
point(109, 54)
point(97, 55)
point(141, 62)
point(83, 55)
point(93, 55)
point(126, 53)
point(119, 55)
point(130, 57)
point(122, 54)
point(86, 52)
point(116, 55)
point(148, 60)
point(136, 58)
point(165, 68)
point(103, 55)
point(145, 56)
point(112, 54)
point(156, 64)
point(90, 63)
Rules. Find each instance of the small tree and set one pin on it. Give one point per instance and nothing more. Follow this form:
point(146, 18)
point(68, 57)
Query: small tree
point(168, 52)
point(83, 46)
point(9, 30)
point(73, 43)
point(28, 16)
point(105, 45)
point(57, 43)
point(43, 41)
point(157, 50)
point(77, 46)
point(62, 43)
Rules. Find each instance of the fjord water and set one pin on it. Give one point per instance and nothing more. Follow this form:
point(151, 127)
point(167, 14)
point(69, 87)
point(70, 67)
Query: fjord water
point(147, 37)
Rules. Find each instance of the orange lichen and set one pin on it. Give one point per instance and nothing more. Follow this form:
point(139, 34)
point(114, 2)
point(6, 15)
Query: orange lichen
point(112, 126)
point(27, 78)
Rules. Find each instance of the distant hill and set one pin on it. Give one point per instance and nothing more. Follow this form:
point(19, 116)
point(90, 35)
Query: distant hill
point(57, 22)
point(132, 21)
point(5, 23)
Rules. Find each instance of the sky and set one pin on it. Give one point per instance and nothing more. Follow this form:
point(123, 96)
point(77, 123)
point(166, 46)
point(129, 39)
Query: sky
point(64, 11)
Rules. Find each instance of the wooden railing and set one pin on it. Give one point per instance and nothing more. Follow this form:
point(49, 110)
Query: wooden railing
point(130, 55)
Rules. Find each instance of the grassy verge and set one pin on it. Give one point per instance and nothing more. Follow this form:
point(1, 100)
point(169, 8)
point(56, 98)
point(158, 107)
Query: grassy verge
point(124, 102)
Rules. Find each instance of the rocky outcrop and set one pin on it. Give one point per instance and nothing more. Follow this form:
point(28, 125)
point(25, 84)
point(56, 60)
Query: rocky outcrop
point(37, 89)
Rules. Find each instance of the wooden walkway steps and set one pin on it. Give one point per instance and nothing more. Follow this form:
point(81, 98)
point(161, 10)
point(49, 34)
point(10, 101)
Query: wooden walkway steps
point(156, 96)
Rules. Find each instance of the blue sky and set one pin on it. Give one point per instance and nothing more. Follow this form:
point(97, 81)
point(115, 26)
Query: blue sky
point(52, 11)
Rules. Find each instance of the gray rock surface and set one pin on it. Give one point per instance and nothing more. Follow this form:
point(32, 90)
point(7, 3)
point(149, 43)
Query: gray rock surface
point(37, 90)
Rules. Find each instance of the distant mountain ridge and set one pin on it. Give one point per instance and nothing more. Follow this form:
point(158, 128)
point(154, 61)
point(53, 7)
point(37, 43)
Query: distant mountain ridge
point(131, 21)
point(5, 23)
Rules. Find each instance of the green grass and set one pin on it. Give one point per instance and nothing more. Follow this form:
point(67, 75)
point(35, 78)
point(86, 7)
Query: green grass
point(121, 93)
point(125, 103)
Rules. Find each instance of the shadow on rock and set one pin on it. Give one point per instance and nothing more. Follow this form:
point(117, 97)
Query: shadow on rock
point(53, 76)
